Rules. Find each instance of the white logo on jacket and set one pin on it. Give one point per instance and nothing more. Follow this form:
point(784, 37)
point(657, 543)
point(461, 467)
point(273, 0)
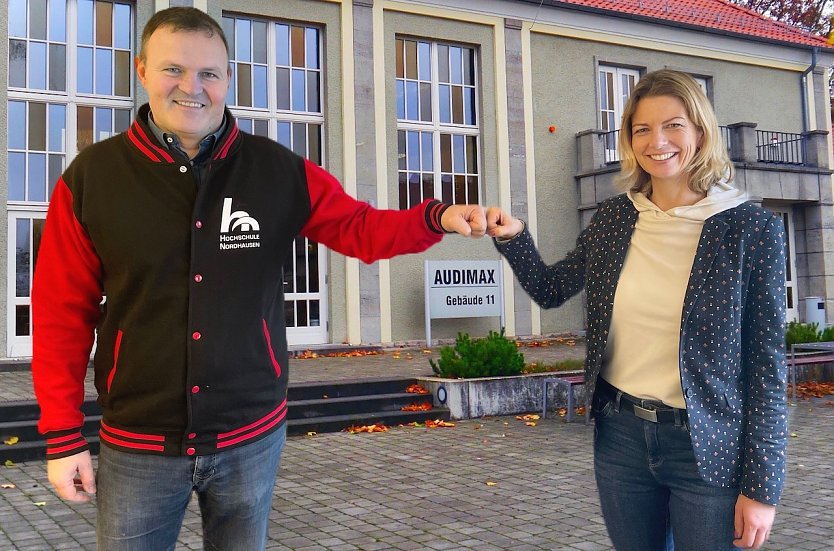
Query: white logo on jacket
point(238, 220)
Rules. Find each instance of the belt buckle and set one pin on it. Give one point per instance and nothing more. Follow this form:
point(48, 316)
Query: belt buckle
point(646, 414)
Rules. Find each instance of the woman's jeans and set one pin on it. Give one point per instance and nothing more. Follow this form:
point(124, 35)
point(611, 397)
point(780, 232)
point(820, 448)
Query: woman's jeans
point(652, 497)
point(141, 499)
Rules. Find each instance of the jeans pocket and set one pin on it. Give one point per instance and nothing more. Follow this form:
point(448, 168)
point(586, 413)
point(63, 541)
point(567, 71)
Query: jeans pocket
point(601, 407)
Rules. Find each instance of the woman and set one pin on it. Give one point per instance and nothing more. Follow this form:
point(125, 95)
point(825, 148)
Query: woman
point(684, 285)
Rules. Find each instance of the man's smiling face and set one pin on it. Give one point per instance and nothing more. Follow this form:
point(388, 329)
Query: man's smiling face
point(186, 75)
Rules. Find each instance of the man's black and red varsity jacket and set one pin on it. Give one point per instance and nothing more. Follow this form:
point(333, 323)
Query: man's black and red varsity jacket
point(191, 353)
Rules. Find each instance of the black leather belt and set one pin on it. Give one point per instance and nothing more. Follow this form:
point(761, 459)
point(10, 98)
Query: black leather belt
point(648, 410)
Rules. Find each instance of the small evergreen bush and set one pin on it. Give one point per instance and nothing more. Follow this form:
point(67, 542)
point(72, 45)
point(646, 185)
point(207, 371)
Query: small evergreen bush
point(493, 356)
point(807, 332)
point(801, 332)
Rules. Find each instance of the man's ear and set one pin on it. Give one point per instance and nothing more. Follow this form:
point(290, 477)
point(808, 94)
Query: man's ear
point(140, 69)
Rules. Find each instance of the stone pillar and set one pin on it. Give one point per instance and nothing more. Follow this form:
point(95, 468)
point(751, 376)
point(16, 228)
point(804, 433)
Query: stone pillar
point(818, 258)
point(590, 150)
point(816, 148)
point(518, 157)
point(366, 184)
point(743, 142)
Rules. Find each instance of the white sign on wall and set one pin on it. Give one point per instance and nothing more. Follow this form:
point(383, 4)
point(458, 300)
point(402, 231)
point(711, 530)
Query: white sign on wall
point(463, 289)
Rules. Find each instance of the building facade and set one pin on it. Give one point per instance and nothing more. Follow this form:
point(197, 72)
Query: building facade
point(501, 102)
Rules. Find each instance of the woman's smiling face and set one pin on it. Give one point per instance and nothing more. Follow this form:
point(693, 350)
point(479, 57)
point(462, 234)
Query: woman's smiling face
point(664, 139)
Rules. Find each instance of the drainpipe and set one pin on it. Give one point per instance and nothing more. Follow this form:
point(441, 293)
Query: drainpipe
point(803, 85)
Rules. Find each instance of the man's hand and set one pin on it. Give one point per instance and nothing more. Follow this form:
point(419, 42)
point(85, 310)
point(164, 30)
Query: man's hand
point(468, 220)
point(501, 224)
point(61, 473)
point(753, 521)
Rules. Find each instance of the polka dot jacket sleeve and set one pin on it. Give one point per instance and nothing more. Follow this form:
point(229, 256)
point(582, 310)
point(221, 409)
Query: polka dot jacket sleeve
point(763, 356)
point(548, 286)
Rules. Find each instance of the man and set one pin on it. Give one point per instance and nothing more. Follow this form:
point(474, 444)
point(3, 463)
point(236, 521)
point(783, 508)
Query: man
point(183, 223)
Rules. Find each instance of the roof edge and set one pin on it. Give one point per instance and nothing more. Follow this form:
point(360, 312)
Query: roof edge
point(681, 25)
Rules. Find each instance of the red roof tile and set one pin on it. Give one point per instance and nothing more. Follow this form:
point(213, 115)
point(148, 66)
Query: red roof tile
point(719, 15)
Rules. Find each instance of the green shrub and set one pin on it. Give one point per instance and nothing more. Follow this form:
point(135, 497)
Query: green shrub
point(801, 332)
point(827, 334)
point(493, 356)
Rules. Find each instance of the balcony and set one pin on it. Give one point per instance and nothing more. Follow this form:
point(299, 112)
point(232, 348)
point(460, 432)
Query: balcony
point(770, 164)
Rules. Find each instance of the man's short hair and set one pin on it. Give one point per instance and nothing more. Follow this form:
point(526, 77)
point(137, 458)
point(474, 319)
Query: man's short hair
point(182, 19)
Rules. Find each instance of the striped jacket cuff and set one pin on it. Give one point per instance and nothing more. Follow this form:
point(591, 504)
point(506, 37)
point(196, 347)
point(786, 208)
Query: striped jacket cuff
point(65, 443)
point(434, 212)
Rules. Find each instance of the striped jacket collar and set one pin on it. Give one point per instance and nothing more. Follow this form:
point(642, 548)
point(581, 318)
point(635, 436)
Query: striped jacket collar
point(142, 138)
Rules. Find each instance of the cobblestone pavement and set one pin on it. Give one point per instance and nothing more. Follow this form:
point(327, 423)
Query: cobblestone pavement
point(487, 484)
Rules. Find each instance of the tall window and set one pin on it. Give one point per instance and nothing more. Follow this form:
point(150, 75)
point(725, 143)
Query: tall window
point(615, 86)
point(69, 85)
point(437, 123)
point(276, 92)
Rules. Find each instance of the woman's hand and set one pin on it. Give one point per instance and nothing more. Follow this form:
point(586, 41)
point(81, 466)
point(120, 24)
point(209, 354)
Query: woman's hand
point(501, 224)
point(752, 523)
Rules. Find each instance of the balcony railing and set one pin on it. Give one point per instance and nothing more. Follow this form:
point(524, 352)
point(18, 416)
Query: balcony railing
point(609, 145)
point(771, 146)
point(780, 147)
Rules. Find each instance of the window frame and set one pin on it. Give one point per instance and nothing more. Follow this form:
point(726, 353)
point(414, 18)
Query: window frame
point(438, 129)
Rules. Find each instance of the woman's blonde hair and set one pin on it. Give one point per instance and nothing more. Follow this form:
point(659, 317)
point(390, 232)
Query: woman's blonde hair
point(709, 165)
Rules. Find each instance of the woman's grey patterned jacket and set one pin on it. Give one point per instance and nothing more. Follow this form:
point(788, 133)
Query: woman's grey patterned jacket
point(732, 343)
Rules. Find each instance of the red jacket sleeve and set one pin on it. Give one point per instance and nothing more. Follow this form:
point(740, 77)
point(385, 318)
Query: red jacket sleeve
point(356, 229)
point(66, 297)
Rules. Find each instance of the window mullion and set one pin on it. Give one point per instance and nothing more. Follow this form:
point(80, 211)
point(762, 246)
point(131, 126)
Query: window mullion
point(271, 80)
point(435, 121)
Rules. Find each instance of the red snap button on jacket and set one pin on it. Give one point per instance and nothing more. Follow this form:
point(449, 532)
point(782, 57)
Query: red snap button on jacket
point(192, 435)
point(198, 224)
point(198, 278)
point(190, 451)
point(196, 335)
point(195, 389)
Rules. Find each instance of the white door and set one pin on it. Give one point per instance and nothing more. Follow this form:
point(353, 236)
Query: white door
point(791, 299)
point(25, 230)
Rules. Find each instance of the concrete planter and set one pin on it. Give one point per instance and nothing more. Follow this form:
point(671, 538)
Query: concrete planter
point(470, 398)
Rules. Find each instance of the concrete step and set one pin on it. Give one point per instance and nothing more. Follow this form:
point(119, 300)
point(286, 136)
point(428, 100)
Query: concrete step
point(311, 407)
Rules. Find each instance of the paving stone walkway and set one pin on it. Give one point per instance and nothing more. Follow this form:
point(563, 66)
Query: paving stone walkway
point(487, 484)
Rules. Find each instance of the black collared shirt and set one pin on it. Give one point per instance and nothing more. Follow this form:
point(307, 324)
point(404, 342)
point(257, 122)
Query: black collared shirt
point(172, 142)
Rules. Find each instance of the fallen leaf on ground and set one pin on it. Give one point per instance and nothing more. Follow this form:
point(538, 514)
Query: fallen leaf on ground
point(530, 423)
point(309, 354)
point(577, 411)
point(426, 351)
point(528, 417)
point(9, 463)
point(415, 424)
point(491, 483)
point(378, 427)
point(814, 389)
point(39, 503)
point(438, 423)
point(794, 435)
point(416, 389)
point(425, 406)
point(11, 440)
point(7, 486)
point(311, 433)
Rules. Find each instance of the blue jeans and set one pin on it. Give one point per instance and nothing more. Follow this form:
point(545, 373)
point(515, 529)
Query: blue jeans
point(652, 497)
point(141, 499)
